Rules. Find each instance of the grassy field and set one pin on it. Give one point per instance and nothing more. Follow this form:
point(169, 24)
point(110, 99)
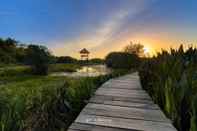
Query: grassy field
point(64, 67)
point(30, 102)
point(21, 70)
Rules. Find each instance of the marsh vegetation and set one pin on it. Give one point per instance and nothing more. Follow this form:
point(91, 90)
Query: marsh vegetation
point(171, 80)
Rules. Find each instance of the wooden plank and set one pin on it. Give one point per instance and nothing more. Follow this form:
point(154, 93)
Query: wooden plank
point(125, 123)
point(128, 95)
point(116, 90)
point(75, 130)
point(134, 85)
point(122, 83)
point(121, 87)
point(90, 127)
point(123, 80)
point(124, 99)
point(125, 112)
point(135, 104)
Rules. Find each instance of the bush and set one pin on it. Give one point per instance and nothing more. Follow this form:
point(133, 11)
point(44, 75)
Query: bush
point(122, 60)
point(96, 61)
point(65, 59)
point(39, 58)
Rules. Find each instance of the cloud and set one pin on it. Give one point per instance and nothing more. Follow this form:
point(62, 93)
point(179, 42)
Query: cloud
point(102, 35)
point(90, 41)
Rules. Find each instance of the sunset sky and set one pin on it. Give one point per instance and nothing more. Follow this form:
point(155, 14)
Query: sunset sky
point(66, 26)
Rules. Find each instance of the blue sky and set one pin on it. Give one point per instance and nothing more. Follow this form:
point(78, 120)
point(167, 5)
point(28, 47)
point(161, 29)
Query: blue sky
point(66, 26)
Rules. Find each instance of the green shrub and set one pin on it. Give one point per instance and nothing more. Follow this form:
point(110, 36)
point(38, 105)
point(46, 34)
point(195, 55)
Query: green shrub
point(66, 59)
point(121, 60)
point(96, 61)
point(39, 58)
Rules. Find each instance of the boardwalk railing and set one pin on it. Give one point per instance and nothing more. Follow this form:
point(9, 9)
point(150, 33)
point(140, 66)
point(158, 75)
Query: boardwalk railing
point(121, 104)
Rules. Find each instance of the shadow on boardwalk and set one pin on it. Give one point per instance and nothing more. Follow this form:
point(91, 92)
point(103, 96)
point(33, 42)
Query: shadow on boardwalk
point(121, 105)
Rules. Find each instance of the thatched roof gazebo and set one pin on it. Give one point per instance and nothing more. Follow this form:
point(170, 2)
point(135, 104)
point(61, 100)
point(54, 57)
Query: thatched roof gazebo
point(84, 54)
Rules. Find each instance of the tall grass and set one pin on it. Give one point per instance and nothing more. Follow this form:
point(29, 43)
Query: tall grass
point(171, 80)
point(21, 97)
point(45, 103)
point(10, 71)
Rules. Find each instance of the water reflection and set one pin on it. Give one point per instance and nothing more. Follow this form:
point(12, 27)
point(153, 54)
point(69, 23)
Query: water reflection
point(90, 71)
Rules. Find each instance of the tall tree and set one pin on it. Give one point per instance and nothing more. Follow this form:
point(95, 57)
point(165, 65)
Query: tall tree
point(8, 50)
point(39, 58)
point(135, 48)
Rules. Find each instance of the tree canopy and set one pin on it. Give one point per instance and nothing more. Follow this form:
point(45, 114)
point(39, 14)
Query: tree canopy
point(10, 51)
point(122, 60)
point(135, 48)
point(39, 58)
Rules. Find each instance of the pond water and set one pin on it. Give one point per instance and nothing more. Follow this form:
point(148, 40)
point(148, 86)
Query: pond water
point(86, 71)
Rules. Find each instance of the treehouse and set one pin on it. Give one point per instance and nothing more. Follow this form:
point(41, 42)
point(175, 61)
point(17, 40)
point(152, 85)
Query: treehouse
point(84, 54)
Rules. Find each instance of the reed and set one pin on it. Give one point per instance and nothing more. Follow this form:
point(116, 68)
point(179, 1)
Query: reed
point(170, 78)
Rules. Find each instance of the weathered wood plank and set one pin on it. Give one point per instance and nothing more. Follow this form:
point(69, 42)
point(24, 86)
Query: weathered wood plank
point(123, 98)
point(90, 127)
point(75, 130)
point(128, 95)
point(125, 112)
point(122, 83)
point(136, 104)
point(125, 123)
point(116, 90)
point(121, 87)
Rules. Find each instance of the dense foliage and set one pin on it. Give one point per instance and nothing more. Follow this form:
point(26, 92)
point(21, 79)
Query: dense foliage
point(134, 48)
point(66, 59)
point(122, 60)
point(11, 51)
point(96, 61)
point(39, 58)
point(171, 80)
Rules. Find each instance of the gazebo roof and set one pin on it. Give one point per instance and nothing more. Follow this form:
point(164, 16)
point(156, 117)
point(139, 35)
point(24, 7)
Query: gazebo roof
point(84, 51)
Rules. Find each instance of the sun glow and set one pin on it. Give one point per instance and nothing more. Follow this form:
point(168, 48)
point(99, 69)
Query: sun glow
point(146, 50)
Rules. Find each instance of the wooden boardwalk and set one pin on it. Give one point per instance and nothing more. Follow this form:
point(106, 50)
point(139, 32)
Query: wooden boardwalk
point(121, 105)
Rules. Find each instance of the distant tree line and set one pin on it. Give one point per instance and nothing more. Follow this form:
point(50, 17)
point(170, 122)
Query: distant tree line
point(129, 58)
point(11, 51)
point(37, 56)
point(71, 60)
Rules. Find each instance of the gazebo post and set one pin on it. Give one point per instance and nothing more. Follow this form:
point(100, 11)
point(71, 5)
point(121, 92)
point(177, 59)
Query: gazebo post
point(84, 54)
